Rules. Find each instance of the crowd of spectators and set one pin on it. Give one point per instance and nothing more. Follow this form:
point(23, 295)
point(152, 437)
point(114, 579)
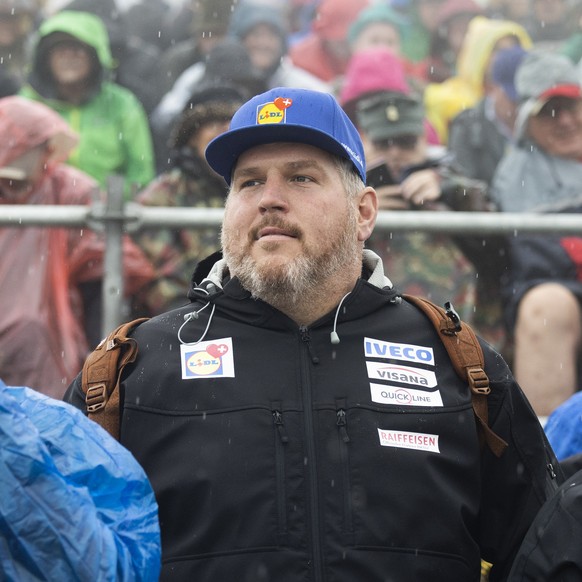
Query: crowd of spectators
point(433, 87)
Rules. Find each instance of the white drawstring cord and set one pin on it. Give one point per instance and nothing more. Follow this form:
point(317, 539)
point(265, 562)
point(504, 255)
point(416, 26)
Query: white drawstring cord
point(194, 315)
point(334, 337)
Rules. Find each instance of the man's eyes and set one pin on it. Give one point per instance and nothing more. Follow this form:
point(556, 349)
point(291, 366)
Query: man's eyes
point(302, 179)
point(256, 182)
point(249, 183)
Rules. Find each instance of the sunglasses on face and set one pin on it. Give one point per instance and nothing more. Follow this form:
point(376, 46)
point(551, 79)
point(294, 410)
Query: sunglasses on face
point(11, 185)
point(403, 142)
point(555, 107)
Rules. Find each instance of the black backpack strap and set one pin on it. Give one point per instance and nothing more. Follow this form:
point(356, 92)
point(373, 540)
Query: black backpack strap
point(466, 356)
point(102, 373)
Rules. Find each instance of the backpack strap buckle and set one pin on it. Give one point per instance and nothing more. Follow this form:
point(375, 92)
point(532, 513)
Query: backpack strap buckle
point(96, 397)
point(478, 381)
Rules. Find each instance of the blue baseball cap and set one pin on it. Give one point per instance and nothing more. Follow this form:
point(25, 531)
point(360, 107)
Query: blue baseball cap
point(505, 64)
point(286, 114)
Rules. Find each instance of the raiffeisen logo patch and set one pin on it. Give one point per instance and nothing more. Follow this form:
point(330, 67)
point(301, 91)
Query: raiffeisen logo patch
point(273, 112)
point(210, 359)
point(409, 440)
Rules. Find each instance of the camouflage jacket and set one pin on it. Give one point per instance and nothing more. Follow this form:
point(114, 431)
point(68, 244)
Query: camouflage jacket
point(175, 253)
point(445, 268)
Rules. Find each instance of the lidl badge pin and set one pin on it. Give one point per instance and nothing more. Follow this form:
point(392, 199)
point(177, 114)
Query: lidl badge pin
point(209, 359)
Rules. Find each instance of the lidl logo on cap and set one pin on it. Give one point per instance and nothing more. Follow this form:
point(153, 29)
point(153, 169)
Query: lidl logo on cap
point(273, 112)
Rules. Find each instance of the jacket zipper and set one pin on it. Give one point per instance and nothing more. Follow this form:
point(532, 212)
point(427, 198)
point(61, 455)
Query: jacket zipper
point(281, 439)
point(344, 439)
point(307, 357)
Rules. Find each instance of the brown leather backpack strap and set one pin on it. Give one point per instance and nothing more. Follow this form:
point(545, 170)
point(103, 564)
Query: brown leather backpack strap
point(102, 373)
point(467, 358)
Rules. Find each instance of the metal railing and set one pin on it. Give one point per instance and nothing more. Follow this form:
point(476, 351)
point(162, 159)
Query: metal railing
point(115, 218)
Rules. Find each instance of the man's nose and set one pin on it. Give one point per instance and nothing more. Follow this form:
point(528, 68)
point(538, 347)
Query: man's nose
point(566, 114)
point(273, 195)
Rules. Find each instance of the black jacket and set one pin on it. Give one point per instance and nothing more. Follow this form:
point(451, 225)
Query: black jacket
point(551, 549)
point(476, 143)
point(278, 455)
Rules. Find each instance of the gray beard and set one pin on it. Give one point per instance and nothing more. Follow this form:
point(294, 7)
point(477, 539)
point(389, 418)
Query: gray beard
point(289, 285)
point(283, 285)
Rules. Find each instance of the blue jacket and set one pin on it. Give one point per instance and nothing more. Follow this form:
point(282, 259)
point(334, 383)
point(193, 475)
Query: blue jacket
point(74, 504)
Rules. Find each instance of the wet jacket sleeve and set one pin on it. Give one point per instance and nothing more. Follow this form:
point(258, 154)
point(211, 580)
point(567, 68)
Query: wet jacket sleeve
point(75, 395)
point(74, 504)
point(551, 549)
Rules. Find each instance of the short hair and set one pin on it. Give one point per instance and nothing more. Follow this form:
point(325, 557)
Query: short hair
point(350, 178)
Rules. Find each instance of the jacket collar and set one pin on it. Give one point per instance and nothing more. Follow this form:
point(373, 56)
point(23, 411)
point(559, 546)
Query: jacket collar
point(372, 264)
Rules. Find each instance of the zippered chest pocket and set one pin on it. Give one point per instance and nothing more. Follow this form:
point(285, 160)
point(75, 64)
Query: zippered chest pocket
point(376, 463)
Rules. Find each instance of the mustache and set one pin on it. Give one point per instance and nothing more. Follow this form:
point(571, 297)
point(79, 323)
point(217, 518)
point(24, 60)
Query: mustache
point(276, 222)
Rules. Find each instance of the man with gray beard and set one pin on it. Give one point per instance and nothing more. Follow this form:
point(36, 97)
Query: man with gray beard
point(300, 419)
point(283, 276)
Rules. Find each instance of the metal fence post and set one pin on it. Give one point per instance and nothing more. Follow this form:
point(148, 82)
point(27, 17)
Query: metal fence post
point(112, 287)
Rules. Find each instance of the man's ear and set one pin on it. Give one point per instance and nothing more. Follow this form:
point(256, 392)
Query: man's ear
point(368, 211)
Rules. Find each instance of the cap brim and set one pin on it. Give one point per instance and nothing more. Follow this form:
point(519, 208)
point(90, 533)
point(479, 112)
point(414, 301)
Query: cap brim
point(223, 152)
point(381, 132)
point(9, 173)
point(569, 91)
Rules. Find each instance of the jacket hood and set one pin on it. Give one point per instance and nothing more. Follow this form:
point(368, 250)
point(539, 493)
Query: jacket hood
point(82, 26)
point(85, 27)
point(248, 16)
point(334, 17)
point(27, 124)
point(480, 42)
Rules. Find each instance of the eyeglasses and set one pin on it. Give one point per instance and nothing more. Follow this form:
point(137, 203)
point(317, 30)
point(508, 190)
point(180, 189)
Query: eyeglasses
point(403, 142)
point(558, 105)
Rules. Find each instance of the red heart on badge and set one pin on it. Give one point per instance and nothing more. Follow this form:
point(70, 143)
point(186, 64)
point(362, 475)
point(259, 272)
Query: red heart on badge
point(217, 350)
point(282, 103)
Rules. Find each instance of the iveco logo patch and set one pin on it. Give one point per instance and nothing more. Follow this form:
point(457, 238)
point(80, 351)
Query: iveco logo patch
point(394, 351)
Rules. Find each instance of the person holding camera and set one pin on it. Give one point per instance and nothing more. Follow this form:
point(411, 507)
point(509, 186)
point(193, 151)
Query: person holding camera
point(410, 174)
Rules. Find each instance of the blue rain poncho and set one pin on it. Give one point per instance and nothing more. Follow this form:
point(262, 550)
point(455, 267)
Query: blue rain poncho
point(564, 427)
point(74, 504)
